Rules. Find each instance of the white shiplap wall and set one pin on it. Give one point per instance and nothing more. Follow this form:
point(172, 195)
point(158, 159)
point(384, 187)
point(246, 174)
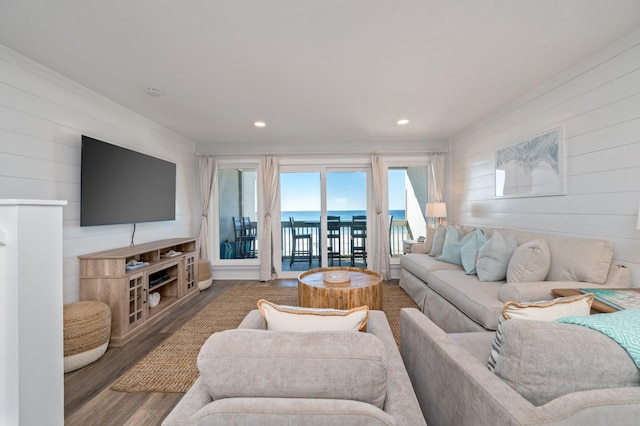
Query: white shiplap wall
point(42, 118)
point(598, 102)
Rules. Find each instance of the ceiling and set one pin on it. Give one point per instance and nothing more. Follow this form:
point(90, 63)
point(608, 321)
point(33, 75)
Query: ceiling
point(316, 71)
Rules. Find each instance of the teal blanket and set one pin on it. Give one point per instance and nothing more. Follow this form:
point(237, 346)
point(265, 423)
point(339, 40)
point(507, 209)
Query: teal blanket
point(622, 326)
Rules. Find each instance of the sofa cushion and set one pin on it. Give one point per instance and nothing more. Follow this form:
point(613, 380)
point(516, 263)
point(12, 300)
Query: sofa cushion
point(267, 364)
point(577, 259)
point(539, 311)
point(438, 241)
point(494, 256)
point(422, 265)
point(543, 360)
point(469, 251)
point(477, 300)
point(290, 411)
point(529, 263)
point(453, 242)
point(294, 318)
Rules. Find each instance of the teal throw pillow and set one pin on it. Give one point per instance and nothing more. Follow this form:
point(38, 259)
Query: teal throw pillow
point(453, 242)
point(469, 251)
point(494, 256)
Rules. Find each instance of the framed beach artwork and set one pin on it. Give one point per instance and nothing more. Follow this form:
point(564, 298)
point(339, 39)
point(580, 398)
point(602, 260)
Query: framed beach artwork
point(532, 167)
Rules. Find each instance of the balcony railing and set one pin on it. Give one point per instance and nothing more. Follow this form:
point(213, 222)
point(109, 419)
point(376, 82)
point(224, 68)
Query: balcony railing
point(398, 231)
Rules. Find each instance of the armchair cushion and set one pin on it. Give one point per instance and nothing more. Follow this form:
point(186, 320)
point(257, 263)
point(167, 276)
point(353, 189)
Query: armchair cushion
point(271, 364)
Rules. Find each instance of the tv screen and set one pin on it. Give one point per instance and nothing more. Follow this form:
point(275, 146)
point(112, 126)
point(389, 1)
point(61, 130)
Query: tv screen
point(118, 185)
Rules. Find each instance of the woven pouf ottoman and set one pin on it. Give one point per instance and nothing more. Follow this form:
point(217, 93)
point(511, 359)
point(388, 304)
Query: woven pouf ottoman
point(87, 328)
point(204, 274)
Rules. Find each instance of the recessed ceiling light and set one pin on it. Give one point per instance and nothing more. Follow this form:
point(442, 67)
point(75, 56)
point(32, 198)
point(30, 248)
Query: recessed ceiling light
point(402, 122)
point(260, 124)
point(153, 92)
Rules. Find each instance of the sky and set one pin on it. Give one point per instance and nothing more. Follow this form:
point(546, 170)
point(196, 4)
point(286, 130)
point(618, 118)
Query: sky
point(345, 191)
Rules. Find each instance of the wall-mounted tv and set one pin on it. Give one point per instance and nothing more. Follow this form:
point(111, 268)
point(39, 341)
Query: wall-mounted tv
point(119, 185)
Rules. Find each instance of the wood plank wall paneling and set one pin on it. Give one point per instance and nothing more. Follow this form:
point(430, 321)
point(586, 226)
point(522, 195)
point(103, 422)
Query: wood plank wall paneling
point(598, 102)
point(42, 118)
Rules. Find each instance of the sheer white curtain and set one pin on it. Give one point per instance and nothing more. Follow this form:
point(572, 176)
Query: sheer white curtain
point(268, 188)
point(380, 236)
point(208, 176)
point(435, 185)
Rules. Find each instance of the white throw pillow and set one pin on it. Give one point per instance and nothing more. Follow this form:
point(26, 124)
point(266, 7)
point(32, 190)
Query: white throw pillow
point(294, 318)
point(529, 263)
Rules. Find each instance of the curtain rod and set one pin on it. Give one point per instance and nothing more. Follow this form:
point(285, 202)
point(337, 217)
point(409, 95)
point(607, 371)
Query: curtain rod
point(289, 154)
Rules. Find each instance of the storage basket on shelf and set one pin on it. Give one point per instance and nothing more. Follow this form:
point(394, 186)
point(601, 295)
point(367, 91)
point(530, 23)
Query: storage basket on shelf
point(87, 328)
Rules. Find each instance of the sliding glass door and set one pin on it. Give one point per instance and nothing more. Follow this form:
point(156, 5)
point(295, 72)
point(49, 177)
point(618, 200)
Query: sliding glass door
point(317, 209)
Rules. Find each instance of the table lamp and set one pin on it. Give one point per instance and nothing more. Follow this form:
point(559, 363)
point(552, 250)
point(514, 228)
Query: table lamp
point(436, 211)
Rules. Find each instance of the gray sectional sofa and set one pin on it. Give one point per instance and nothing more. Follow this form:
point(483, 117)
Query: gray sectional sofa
point(291, 378)
point(559, 374)
point(460, 302)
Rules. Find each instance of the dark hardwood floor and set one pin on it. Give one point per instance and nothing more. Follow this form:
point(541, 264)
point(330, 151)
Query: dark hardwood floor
point(88, 399)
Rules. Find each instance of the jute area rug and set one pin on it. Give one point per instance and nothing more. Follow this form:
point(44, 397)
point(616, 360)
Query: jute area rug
point(171, 367)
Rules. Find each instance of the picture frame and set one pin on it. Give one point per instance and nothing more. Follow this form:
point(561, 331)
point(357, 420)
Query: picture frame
point(531, 167)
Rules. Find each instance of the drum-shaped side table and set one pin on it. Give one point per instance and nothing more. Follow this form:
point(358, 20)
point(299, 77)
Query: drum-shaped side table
point(364, 287)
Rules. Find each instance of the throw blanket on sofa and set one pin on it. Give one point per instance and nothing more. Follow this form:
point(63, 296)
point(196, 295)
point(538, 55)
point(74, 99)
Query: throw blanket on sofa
point(622, 326)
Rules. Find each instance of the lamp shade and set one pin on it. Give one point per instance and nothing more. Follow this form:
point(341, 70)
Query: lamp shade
point(436, 210)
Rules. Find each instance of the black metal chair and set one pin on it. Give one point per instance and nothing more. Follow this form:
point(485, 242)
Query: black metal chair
point(242, 241)
point(300, 243)
point(249, 230)
point(359, 239)
point(334, 239)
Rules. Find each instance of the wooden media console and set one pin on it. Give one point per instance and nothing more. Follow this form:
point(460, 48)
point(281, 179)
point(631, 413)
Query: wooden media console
point(124, 278)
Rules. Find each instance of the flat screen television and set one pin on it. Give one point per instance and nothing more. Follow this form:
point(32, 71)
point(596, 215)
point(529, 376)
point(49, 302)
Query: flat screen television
point(119, 185)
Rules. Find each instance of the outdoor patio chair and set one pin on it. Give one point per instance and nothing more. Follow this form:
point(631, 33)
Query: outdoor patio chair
point(359, 239)
point(300, 242)
point(335, 240)
point(242, 241)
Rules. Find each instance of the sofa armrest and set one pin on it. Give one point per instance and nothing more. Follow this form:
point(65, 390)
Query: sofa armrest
point(618, 406)
point(535, 291)
point(254, 320)
point(196, 398)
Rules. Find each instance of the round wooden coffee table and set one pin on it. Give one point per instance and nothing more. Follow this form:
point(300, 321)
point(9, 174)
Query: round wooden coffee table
point(363, 287)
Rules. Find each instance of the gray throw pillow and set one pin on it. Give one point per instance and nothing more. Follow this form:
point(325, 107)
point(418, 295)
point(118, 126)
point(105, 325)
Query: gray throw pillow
point(543, 360)
point(494, 256)
point(529, 263)
point(438, 241)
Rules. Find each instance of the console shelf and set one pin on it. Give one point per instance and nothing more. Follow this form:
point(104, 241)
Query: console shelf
point(104, 276)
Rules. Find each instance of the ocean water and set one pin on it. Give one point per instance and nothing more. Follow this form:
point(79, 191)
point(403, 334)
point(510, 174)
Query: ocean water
point(345, 215)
